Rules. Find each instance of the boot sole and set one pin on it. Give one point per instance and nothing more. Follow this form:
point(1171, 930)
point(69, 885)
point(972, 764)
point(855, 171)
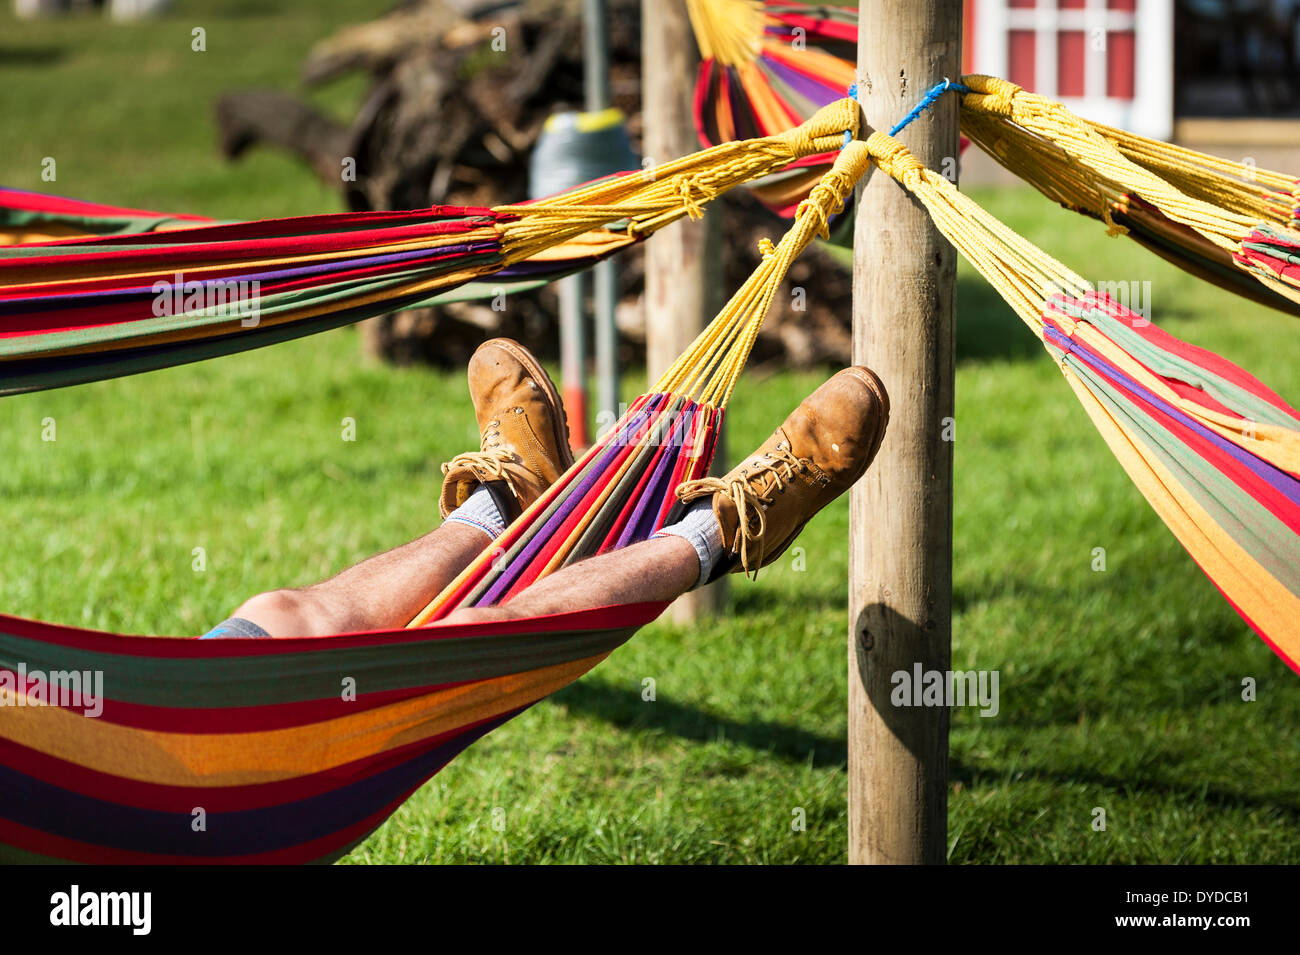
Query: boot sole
point(877, 387)
point(560, 417)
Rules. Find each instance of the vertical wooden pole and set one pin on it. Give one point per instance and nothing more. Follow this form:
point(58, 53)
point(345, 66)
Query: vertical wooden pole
point(900, 538)
point(683, 264)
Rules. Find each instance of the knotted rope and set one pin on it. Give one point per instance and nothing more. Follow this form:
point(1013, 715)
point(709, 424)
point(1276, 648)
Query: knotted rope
point(652, 199)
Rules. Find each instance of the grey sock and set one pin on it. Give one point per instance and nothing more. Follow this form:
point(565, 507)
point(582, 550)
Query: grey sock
point(480, 511)
point(699, 526)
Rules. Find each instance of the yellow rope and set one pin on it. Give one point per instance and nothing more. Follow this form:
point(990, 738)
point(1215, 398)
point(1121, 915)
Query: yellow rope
point(1259, 193)
point(665, 193)
point(707, 371)
point(1035, 284)
point(1015, 117)
point(1022, 273)
point(729, 31)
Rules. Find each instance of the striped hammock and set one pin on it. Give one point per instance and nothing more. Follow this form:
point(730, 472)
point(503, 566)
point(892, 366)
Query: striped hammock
point(767, 65)
point(764, 67)
point(1214, 451)
point(96, 306)
point(249, 751)
point(284, 769)
point(1226, 222)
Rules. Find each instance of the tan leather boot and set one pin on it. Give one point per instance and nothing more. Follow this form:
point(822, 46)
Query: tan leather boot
point(525, 438)
point(823, 447)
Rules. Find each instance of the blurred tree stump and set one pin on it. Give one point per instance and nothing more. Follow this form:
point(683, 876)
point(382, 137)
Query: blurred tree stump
point(459, 91)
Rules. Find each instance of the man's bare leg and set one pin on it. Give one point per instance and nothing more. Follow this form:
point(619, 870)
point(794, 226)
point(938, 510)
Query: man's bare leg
point(523, 449)
point(383, 592)
point(821, 449)
point(389, 589)
point(660, 569)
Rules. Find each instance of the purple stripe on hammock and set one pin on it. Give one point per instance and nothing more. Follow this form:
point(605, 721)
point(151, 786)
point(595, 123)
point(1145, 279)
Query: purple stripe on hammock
point(574, 497)
point(335, 265)
point(708, 422)
point(645, 514)
point(801, 83)
point(712, 427)
point(1276, 478)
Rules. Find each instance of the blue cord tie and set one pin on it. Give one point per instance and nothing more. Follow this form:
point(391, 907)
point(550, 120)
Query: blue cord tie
point(930, 98)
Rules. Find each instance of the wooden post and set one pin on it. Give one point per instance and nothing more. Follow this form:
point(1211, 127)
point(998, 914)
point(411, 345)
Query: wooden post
point(900, 538)
point(683, 264)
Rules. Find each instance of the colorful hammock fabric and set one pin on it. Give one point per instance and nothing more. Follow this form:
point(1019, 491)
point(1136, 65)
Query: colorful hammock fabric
point(766, 67)
point(1215, 452)
point(33, 217)
point(1223, 221)
point(253, 751)
point(87, 308)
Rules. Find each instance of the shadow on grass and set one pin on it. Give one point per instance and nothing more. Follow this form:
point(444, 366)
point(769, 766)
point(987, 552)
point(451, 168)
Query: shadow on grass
point(987, 329)
point(626, 710)
point(31, 55)
point(747, 600)
point(1219, 797)
point(791, 744)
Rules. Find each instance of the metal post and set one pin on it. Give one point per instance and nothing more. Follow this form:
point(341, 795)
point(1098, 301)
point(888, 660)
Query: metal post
point(605, 298)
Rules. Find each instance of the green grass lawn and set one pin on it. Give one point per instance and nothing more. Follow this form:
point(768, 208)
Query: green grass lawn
point(1119, 689)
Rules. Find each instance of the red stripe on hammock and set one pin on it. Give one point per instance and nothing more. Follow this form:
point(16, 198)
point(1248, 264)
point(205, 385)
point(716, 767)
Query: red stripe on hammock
point(61, 205)
point(1197, 356)
point(616, 617)
point(1263, 493)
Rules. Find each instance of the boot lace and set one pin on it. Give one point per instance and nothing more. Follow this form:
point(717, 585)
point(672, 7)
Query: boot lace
point(751, 505)
point(492, 462)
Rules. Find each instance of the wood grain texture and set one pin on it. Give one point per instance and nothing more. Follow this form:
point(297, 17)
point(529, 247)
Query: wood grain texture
point(900, 549)
point(683, 289)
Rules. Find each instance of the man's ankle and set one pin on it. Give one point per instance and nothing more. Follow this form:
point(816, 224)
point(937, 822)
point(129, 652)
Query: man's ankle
point(700, 528)
point(480, 511)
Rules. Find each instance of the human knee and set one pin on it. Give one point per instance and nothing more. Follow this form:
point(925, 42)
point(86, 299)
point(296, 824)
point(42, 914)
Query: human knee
point(285, 613)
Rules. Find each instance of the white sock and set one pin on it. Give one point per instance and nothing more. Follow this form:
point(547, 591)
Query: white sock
point(699, 526)
point(480, 511)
